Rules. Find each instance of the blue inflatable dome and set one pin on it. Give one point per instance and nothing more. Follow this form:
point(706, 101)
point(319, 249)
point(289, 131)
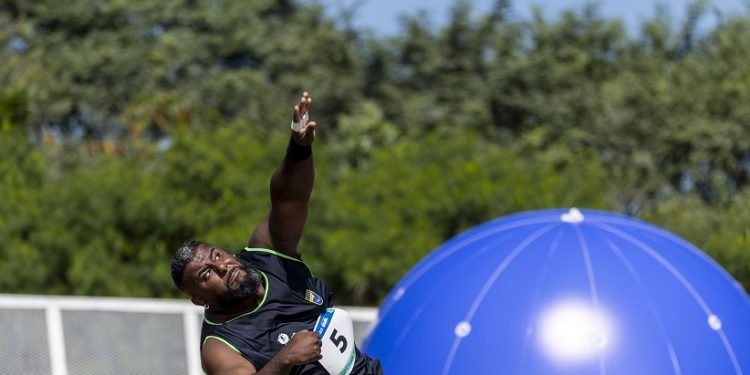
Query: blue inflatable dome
point(565, 292)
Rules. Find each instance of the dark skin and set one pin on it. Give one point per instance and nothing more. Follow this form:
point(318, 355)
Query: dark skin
point(213, 269)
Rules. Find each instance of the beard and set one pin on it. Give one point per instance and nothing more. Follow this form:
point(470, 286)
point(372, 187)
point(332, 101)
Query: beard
point(248, 288)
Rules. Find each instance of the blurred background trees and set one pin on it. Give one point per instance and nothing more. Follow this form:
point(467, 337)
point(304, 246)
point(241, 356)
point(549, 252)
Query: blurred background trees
point(127, 126)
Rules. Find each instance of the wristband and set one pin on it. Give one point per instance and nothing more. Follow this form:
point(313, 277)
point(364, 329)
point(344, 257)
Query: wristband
point(297, 126)
point(297, 152)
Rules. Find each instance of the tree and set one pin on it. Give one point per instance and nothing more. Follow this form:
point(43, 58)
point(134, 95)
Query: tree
point(377, 220)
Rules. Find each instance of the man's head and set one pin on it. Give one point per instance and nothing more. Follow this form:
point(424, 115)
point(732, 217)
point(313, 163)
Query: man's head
point(213, 277)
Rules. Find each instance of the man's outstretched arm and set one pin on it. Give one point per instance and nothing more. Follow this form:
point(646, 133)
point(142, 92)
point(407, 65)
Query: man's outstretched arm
point(291, 186)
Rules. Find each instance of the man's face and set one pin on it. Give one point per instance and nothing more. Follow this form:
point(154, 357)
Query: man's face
point(217, 278)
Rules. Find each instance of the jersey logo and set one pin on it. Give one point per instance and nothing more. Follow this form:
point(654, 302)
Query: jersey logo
point(283, 338)
point(310, 296)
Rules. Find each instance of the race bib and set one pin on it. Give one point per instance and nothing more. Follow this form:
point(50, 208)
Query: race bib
point(337, 333)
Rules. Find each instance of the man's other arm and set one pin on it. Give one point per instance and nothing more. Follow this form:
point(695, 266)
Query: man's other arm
point(219, 359)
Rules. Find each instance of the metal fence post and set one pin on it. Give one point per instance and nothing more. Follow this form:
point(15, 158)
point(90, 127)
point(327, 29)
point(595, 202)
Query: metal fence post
point(56, 339)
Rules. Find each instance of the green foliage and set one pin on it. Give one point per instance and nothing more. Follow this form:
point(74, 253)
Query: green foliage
point(22, 174)
point(412, 195)
point(111, 228)
point(13, 109)
point(162, 63)
point(127, 127)
point(720, 231)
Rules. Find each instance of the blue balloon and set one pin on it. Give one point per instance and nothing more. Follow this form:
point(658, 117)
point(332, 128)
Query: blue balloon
point(565, 292)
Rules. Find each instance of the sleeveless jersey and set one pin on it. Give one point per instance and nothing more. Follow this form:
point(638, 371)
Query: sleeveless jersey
point(292, 301)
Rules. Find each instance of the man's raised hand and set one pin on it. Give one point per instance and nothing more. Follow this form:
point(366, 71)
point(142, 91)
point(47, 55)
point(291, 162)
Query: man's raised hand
point(303, 130)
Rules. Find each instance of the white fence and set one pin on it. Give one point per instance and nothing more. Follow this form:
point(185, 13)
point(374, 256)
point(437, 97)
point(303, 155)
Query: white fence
point(92, 336)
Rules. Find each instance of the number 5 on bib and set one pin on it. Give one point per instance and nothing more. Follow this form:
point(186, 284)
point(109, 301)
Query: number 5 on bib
point(337, 333)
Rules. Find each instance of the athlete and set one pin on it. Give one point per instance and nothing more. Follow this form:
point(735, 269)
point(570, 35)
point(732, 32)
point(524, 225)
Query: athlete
point(263, 303)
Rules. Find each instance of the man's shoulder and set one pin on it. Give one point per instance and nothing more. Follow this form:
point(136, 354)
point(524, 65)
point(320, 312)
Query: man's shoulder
point(268, 253)
point(272, 261)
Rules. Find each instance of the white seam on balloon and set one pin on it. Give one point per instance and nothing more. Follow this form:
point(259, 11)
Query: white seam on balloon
point(654, 311)
point(661, 233)
point(535, 299)
point(592, 284)
point(488, 284)
point(462, 245)
point(681, 278)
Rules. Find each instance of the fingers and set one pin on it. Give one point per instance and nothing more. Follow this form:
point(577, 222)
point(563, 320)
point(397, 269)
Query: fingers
point(303, 106)
point(308, 129)
point(318, 348)
point(306, 135)
point(314, 344)
point(305, 101)
point(303, 130)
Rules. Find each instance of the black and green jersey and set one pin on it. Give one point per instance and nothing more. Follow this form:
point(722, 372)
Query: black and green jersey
point(292, 302)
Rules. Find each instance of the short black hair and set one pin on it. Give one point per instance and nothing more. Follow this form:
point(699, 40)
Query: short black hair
point(181, 258)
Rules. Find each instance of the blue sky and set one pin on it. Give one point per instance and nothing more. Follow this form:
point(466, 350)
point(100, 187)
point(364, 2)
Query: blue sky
point(382, 15)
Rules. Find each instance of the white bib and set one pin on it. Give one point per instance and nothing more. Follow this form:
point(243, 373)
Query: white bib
point(337, 333)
